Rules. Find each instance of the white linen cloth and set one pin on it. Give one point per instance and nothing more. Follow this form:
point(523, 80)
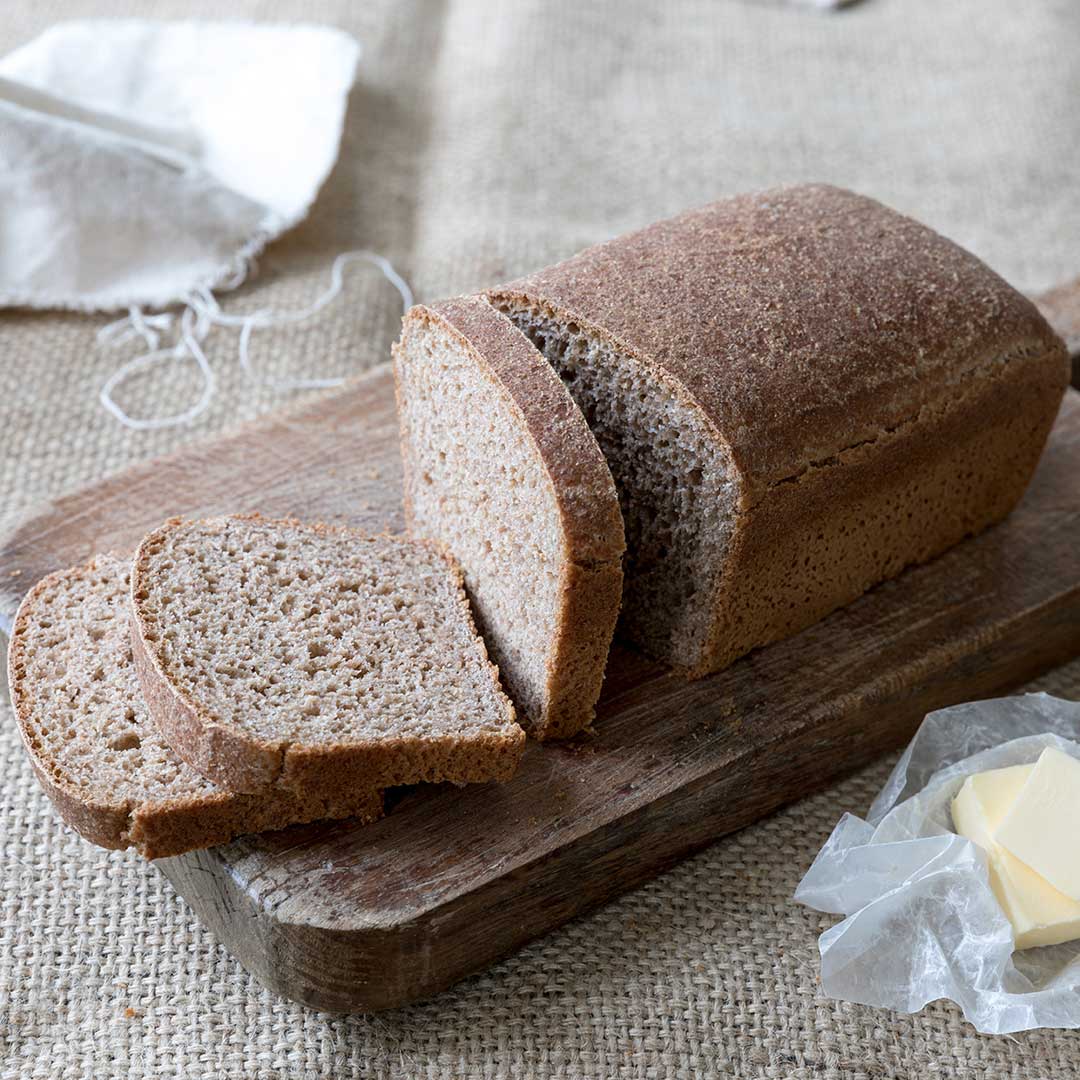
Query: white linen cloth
point(145, 160)
point(147, 163)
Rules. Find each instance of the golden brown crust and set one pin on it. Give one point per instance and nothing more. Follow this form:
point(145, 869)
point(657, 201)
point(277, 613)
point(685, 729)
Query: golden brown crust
point(845, 356)
point(101, 821)
point(804, 320)
point(819, 542)
point(592, 596)
point(579, 477)
point(171, 827)
point(158, 827)
point(239, 761)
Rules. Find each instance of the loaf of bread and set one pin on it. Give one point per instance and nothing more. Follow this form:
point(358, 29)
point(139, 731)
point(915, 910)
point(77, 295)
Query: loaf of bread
point(501, 467)
point(799, 393)
point(320, 660)
point(97, 754)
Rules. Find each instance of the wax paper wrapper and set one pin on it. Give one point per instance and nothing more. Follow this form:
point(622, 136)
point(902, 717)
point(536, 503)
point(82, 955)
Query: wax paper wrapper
point(921, 921)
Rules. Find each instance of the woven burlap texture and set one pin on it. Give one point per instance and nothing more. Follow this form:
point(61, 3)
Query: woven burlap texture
point(484, 140)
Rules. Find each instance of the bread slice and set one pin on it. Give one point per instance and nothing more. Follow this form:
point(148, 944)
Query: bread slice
point(275, 654)
point(799, 393)
point(502, 468)
point(97, 754)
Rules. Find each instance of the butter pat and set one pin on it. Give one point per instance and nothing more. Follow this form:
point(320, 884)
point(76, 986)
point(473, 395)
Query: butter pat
point(1039, 913)
point(984, 800)
point(1042, 827)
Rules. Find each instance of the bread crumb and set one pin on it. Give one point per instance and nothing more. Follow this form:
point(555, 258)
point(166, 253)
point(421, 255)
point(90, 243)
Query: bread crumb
point(580, 749)
point(396, 607)
point(131, 1013)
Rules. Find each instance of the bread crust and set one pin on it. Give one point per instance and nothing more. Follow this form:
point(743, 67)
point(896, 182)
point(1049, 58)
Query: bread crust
point(832, 346)
point(579, 475)
point(156, 827)
point(593, 542)
point(591, 600)
point(803, 320)
point(171, 827)
point(240, 761)
point(821, 541)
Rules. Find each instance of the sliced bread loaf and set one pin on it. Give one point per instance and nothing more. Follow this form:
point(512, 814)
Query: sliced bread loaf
point(501, 467)
point(315, 659)
point(799, 393)
point(94, 748)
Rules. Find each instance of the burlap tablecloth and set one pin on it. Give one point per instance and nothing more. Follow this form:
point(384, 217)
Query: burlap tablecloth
point(483, 140)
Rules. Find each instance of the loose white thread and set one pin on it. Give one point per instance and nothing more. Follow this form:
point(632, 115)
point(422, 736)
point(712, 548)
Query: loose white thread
point(201, 313)
point(192, 331)
point(266, 317)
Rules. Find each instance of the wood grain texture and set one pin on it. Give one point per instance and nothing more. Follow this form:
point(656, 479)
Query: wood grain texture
point(1060, 307)
point(335, 460)
point(354, 918)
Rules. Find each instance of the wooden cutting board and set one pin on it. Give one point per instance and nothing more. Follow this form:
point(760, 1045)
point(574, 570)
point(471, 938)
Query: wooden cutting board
point(348, 918)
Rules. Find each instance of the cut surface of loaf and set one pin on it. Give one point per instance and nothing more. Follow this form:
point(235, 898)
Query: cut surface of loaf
point(799, 393)
point(315, 658)
point(92, 744)
point(501, 467)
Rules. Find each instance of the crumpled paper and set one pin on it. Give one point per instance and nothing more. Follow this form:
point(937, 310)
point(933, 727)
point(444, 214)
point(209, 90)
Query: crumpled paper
point(921, 921)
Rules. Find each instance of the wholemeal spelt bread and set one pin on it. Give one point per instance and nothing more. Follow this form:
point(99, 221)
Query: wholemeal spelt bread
point(315, 659)
point(799, 393)
point(96, 752)
point(502, 468)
